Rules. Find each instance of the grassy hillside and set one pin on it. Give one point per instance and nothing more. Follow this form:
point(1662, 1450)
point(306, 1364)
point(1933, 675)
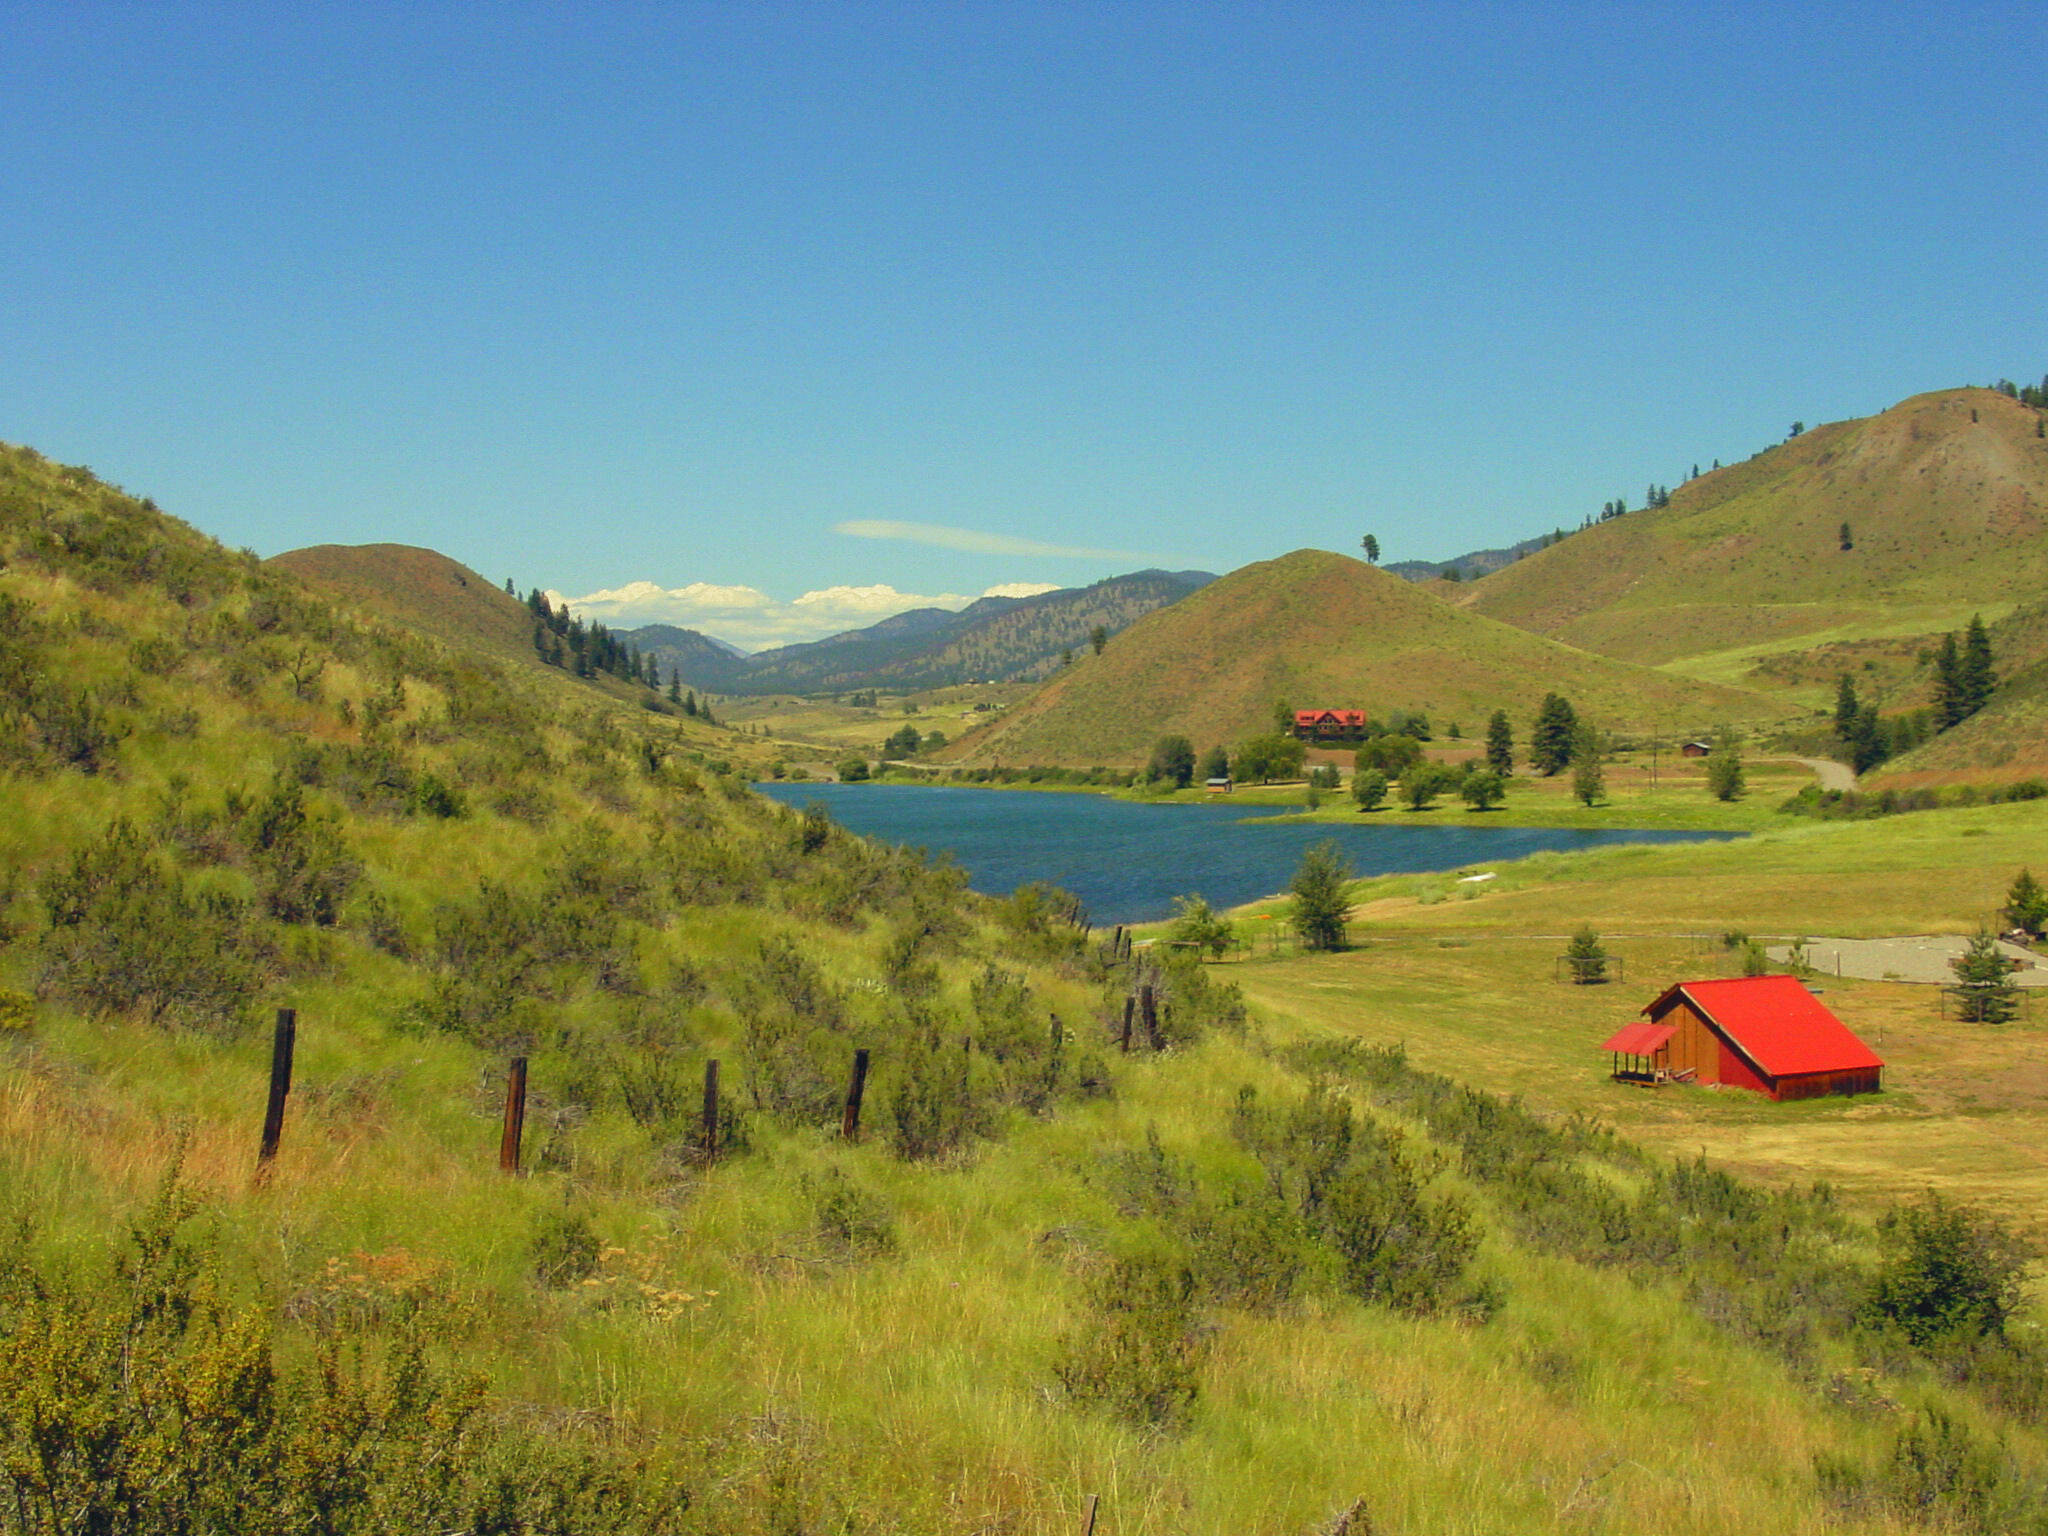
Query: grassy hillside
point(421, 589)
point(1946, 500)
point(1321, 630)
point(1254, 1281)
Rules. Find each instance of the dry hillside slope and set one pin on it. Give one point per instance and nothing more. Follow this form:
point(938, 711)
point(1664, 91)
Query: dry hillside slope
point(422, 589)
point(1945, 496)
point(1322, 630)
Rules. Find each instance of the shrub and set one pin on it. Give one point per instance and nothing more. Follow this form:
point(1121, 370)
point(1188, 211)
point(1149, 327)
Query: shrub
point(1138, 1356)
point(1949, 1272)
point(847, 1219)
point(1197, 926)
point(563, 1249)
point(853, 771)
point(17, 1012)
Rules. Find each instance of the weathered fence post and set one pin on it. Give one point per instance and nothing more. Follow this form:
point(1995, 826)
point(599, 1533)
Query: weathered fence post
point(1130, 1003)
point(282, 1041)
point(1150, 1008)
point(711, 1108)
point(1088, 1516)
point(515, 1117)
point(849, 1125)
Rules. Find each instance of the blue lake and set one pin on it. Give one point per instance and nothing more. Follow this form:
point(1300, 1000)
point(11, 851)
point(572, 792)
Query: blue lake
point(1128, 860)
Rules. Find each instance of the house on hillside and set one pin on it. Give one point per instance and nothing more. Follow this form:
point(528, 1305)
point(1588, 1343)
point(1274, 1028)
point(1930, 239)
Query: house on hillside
point(1696, 749)
point(1765, 1033)
point(1329, 724)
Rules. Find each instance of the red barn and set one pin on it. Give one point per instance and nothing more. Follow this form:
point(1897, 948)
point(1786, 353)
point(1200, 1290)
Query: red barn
point(1766, 1033)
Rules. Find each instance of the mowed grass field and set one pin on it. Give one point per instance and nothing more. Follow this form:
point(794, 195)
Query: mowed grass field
point(1467, 982)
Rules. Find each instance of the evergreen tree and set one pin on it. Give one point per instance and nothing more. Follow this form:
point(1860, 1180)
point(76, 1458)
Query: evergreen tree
point(1098, 637)
point(1975, 677)
point(1589, 780)
point(675, 686)
point(1984, 989)
point(1724, 766)
point(690, 703)
point(1846, 541)
point(1215, 763)
point(1948, 685)
point(1500, 744)
point(1868, 745)
point(1585, 959)
point(1550, 741)
point(1319, 889)
point(2026, 904)
point(1372, 549)
point(1846, 708)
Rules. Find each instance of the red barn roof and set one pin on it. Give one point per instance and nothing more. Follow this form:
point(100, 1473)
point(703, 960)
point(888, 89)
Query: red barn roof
point(1641, 1039)
point(1780, 1025)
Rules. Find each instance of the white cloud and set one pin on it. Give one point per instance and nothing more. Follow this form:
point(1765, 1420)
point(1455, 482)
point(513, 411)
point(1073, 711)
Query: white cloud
point(972, 541)
point(751, 619)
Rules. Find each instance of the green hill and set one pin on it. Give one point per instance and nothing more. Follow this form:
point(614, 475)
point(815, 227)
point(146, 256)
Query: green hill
point(1324, 631)
point(1945, 497)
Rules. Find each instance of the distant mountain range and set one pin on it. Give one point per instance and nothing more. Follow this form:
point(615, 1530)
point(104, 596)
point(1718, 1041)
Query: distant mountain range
point(994, 639)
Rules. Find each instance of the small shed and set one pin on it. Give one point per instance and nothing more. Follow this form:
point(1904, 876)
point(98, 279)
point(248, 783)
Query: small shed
point(1696, 749)
point(1765, 1033)
point(1220, 786)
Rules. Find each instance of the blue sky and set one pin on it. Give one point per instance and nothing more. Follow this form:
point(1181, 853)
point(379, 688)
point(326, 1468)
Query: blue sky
point(880, 302)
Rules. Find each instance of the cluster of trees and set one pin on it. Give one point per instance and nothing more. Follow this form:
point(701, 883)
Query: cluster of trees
point(1965, 676)
point(2035, 395)
point(909, 741)
point(1420, 783)
point(562, 640)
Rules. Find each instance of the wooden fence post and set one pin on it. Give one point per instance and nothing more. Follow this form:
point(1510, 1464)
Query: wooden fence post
point(515, 1117)
point(711, 1108)
point(282, 1040)
point(1130, 1004)
point(1149, 1006)
point(1088, 1516)
point(849, 1125)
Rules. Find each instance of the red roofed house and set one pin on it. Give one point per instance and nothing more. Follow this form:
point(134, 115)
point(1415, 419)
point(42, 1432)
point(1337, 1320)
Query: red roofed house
point(1766, 1033)
point(1329, 724)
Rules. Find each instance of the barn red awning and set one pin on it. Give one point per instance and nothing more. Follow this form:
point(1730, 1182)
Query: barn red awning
point(1640, 1039)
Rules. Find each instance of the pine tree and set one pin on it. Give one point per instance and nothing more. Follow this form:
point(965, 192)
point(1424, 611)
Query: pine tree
point(1319, 888)
point(1984, 989)
point(2026, 904)
point(1585, 959)
point(1500, 744)
point(1550, 742)
point(1724, 766)
point(1589, 781)
point(1948, 685)
point(1845, 708)
point(1975, 678)
point(675, 686)
point(1372, 549)
point(1844, 538)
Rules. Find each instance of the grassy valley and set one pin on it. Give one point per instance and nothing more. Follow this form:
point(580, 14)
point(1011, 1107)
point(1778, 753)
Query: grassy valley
point(1298, 1262)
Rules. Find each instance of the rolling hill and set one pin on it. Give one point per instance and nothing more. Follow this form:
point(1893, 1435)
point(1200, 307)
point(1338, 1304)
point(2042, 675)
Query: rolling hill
point(995, 639)
point(422, 589)
point(1944, 496)
point(1321, 629)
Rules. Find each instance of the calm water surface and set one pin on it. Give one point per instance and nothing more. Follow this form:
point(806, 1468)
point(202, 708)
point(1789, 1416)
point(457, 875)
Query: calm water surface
point(1128, 861)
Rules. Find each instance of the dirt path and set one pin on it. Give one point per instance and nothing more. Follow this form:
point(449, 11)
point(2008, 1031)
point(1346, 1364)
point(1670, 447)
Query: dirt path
point(1832, 775)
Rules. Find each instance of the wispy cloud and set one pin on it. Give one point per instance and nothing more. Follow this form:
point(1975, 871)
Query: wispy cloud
point(973, 541)
point(753, 620)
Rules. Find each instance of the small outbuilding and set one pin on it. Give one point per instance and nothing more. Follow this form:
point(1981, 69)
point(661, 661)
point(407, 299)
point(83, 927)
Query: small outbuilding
point(1222, 786)
point(1696, 749)
point(1765, 1033)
